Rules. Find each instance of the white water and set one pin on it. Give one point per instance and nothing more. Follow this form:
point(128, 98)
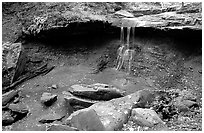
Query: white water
point(125, 55)
point(122, 35)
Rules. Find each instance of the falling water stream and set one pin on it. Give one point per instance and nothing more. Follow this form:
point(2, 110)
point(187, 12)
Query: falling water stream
point(133, 34)
point(125, 54)
point(122, 35)
point(128, 36)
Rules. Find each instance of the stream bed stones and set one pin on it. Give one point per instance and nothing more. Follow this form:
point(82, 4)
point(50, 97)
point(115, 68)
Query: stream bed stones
point(112, 114)
point(48, 99)
point(96, 91)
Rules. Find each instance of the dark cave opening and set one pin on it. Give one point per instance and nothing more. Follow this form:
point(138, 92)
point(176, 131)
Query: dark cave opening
point(187, 41)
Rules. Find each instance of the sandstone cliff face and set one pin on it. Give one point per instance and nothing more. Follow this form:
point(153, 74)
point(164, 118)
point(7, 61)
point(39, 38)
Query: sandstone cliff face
point(32, 18)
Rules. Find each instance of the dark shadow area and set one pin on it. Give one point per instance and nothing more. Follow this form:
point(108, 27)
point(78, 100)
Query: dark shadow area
point(187, 41)
point(94, 34)
point(77, 35)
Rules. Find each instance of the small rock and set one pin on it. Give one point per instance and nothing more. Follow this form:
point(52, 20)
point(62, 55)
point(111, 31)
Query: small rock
point(58, 127)
point(49, 87)
point(145, 117)
point(16, 100)
point(200, 71)
point(48, 99)
point(184, 105)
point(146, 97)
point(54, 86)
point(190, 103)
point(7, 119)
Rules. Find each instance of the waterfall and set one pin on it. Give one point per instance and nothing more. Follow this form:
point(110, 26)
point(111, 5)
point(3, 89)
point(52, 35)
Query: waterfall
point(125, 54)
point(133, 35)
point(122, 35)
point(128, 36)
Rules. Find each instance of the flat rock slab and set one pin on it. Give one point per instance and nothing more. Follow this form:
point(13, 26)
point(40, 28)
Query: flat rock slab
point(76, 102)
point(9, 96)
point(145, 117)
point(124, 13)
point(96, 91)
point(19, 108)
point(112, 114)
point(48, 99)
point(50, 118)
point(166, 20)
point(58, 127)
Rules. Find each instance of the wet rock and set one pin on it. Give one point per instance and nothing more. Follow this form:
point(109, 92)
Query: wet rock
point(58, 127)
point(96, 91)
point(7, 119)
point(48, 99)
point(18, 108)
point(145, 117)
point(88, 121)
point(49, 118)
point(112, 114)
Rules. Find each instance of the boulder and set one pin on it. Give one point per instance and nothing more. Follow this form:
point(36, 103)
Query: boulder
point(112, 114)
point(48, 99)
point(14, 58)
point(59, 127)
point(87, 121)
point(145, 117)
point(96, 91)
point(10, 54)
